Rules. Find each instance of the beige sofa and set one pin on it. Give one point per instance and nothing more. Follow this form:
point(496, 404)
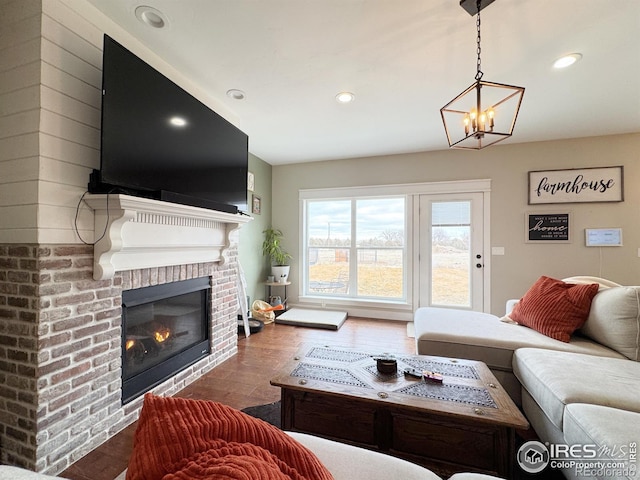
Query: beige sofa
point(345, 462)
point(576, 399)
point(485, 337)
point(584, 392)
point(216, 438)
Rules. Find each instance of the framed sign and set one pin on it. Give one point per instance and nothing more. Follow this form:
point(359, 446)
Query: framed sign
point(256, 204)
point(547, 228)
point(579, 185)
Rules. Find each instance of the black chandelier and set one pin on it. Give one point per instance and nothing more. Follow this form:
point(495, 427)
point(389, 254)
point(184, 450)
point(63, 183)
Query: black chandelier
point(485, 113)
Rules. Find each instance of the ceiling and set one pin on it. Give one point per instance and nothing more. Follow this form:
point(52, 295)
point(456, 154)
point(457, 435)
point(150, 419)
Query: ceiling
point(403, 60)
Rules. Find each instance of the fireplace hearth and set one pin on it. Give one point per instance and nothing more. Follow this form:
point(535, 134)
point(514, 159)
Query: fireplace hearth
point(165, 330)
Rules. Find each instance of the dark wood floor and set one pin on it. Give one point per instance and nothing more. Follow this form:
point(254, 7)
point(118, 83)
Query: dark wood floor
point(243, 380)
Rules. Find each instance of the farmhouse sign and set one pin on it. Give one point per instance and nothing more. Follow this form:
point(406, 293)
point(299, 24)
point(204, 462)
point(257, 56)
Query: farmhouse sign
point(580, 185)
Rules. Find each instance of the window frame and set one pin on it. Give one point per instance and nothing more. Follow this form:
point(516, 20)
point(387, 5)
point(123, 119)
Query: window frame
point(355, 249)
point(353, 194)
point(392, 310)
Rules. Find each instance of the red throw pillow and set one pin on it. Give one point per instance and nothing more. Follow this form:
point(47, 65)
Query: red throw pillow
point(555, 308)
point(183, 439)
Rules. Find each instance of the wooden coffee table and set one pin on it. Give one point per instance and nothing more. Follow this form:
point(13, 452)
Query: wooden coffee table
point(466, 423)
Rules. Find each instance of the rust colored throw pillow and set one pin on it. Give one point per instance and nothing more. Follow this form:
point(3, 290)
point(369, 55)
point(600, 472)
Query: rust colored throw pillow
point(555, 308)
point(183, 439)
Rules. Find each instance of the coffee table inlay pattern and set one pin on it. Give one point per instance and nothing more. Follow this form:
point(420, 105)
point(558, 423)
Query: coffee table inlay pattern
point(467, 422)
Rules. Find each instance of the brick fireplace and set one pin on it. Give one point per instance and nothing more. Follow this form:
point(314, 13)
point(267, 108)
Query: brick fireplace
point(60, 336)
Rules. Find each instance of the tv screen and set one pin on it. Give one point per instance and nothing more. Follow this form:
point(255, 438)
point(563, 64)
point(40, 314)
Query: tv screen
point(161, 142)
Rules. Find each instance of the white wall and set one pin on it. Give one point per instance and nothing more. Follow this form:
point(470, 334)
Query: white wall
point(19, 118)
point(507, 167)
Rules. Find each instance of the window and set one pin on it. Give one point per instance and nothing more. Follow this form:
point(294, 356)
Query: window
point(451, 253)
point(356, 248)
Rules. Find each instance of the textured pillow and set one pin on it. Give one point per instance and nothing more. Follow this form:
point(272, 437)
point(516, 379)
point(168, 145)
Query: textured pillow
point(183, 439)
point(614, 320)
point(554, 308)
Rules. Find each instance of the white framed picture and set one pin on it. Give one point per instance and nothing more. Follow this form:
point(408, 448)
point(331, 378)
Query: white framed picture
point(251, 181)
point(603, 237)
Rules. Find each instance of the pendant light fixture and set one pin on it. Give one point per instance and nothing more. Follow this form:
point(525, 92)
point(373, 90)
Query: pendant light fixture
point(486, 112)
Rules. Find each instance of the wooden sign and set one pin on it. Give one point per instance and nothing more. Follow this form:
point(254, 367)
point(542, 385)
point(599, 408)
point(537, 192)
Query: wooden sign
point(578, 185)
point(547, 227)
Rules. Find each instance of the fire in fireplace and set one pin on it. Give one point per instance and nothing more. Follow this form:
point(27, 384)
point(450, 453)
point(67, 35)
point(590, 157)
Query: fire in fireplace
point(165, 329)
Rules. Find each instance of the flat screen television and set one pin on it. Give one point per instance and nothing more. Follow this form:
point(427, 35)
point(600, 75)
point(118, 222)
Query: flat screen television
point(158, 141)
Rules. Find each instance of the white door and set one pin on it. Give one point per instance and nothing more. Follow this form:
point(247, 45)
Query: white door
point(451, 248)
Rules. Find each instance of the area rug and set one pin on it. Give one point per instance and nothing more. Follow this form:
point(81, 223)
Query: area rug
point(270, 413)
point(305, 317)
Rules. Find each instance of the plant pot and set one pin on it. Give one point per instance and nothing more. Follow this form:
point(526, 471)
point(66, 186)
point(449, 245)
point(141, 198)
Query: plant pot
point(280, 273)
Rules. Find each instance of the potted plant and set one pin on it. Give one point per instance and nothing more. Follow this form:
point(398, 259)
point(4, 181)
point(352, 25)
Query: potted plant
point(272, 248)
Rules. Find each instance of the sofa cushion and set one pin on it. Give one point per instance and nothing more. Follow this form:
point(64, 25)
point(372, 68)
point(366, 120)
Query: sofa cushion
point(481, 336)
point(199, 439)
point(15, 473)
point(554, 308)
point(346, 462)
point(614, 320)
point(611, 429)
point(555, 379)
point(603, 283)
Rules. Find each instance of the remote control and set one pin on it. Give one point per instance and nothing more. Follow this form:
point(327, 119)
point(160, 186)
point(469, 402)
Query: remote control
point(412, 372)
point(432, 377)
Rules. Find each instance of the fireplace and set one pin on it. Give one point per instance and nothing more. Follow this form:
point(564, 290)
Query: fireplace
point(165, 329)
point(62, 337)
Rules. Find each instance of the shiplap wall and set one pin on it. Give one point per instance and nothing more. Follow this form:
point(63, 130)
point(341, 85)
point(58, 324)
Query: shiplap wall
point(19, 119)
point(50, 97)
point(70, 90)
point(50, 82)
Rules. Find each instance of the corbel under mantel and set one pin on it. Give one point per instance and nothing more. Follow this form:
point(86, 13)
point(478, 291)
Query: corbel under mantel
point(135, 232)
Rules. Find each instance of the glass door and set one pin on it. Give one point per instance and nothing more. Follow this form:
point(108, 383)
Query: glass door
point(451, 251)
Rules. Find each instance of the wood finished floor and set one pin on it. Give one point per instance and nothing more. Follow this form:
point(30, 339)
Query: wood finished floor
point(243, 380)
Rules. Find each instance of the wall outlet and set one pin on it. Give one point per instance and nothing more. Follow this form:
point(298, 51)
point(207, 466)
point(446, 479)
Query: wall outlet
point(497, 250)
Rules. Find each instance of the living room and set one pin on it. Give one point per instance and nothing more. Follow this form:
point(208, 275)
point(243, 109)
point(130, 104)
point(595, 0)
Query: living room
point(51, 144)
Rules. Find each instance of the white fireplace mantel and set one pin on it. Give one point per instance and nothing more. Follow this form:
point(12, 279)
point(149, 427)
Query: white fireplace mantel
point(134, 232)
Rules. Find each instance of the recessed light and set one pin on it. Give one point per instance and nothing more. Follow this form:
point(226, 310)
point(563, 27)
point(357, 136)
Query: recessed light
point(178, 122)
point(151, 17)
point(567, 60)
point(345, 97)
point(236, 94)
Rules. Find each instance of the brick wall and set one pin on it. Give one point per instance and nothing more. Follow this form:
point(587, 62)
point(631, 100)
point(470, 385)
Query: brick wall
point(60, 356)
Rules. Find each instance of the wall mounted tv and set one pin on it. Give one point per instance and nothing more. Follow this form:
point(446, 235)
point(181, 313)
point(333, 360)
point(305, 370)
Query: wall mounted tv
point(160, 142)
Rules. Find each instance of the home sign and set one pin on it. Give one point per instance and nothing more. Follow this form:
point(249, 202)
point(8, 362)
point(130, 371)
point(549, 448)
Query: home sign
point(580, 185)
point(547, 227)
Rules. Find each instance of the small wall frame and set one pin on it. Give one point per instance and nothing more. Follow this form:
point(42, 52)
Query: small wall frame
point(256, 204)
point(541, 227)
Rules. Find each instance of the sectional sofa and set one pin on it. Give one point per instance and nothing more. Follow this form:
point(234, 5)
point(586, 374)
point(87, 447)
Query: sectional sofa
point(203, 440)
point(582, 393)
